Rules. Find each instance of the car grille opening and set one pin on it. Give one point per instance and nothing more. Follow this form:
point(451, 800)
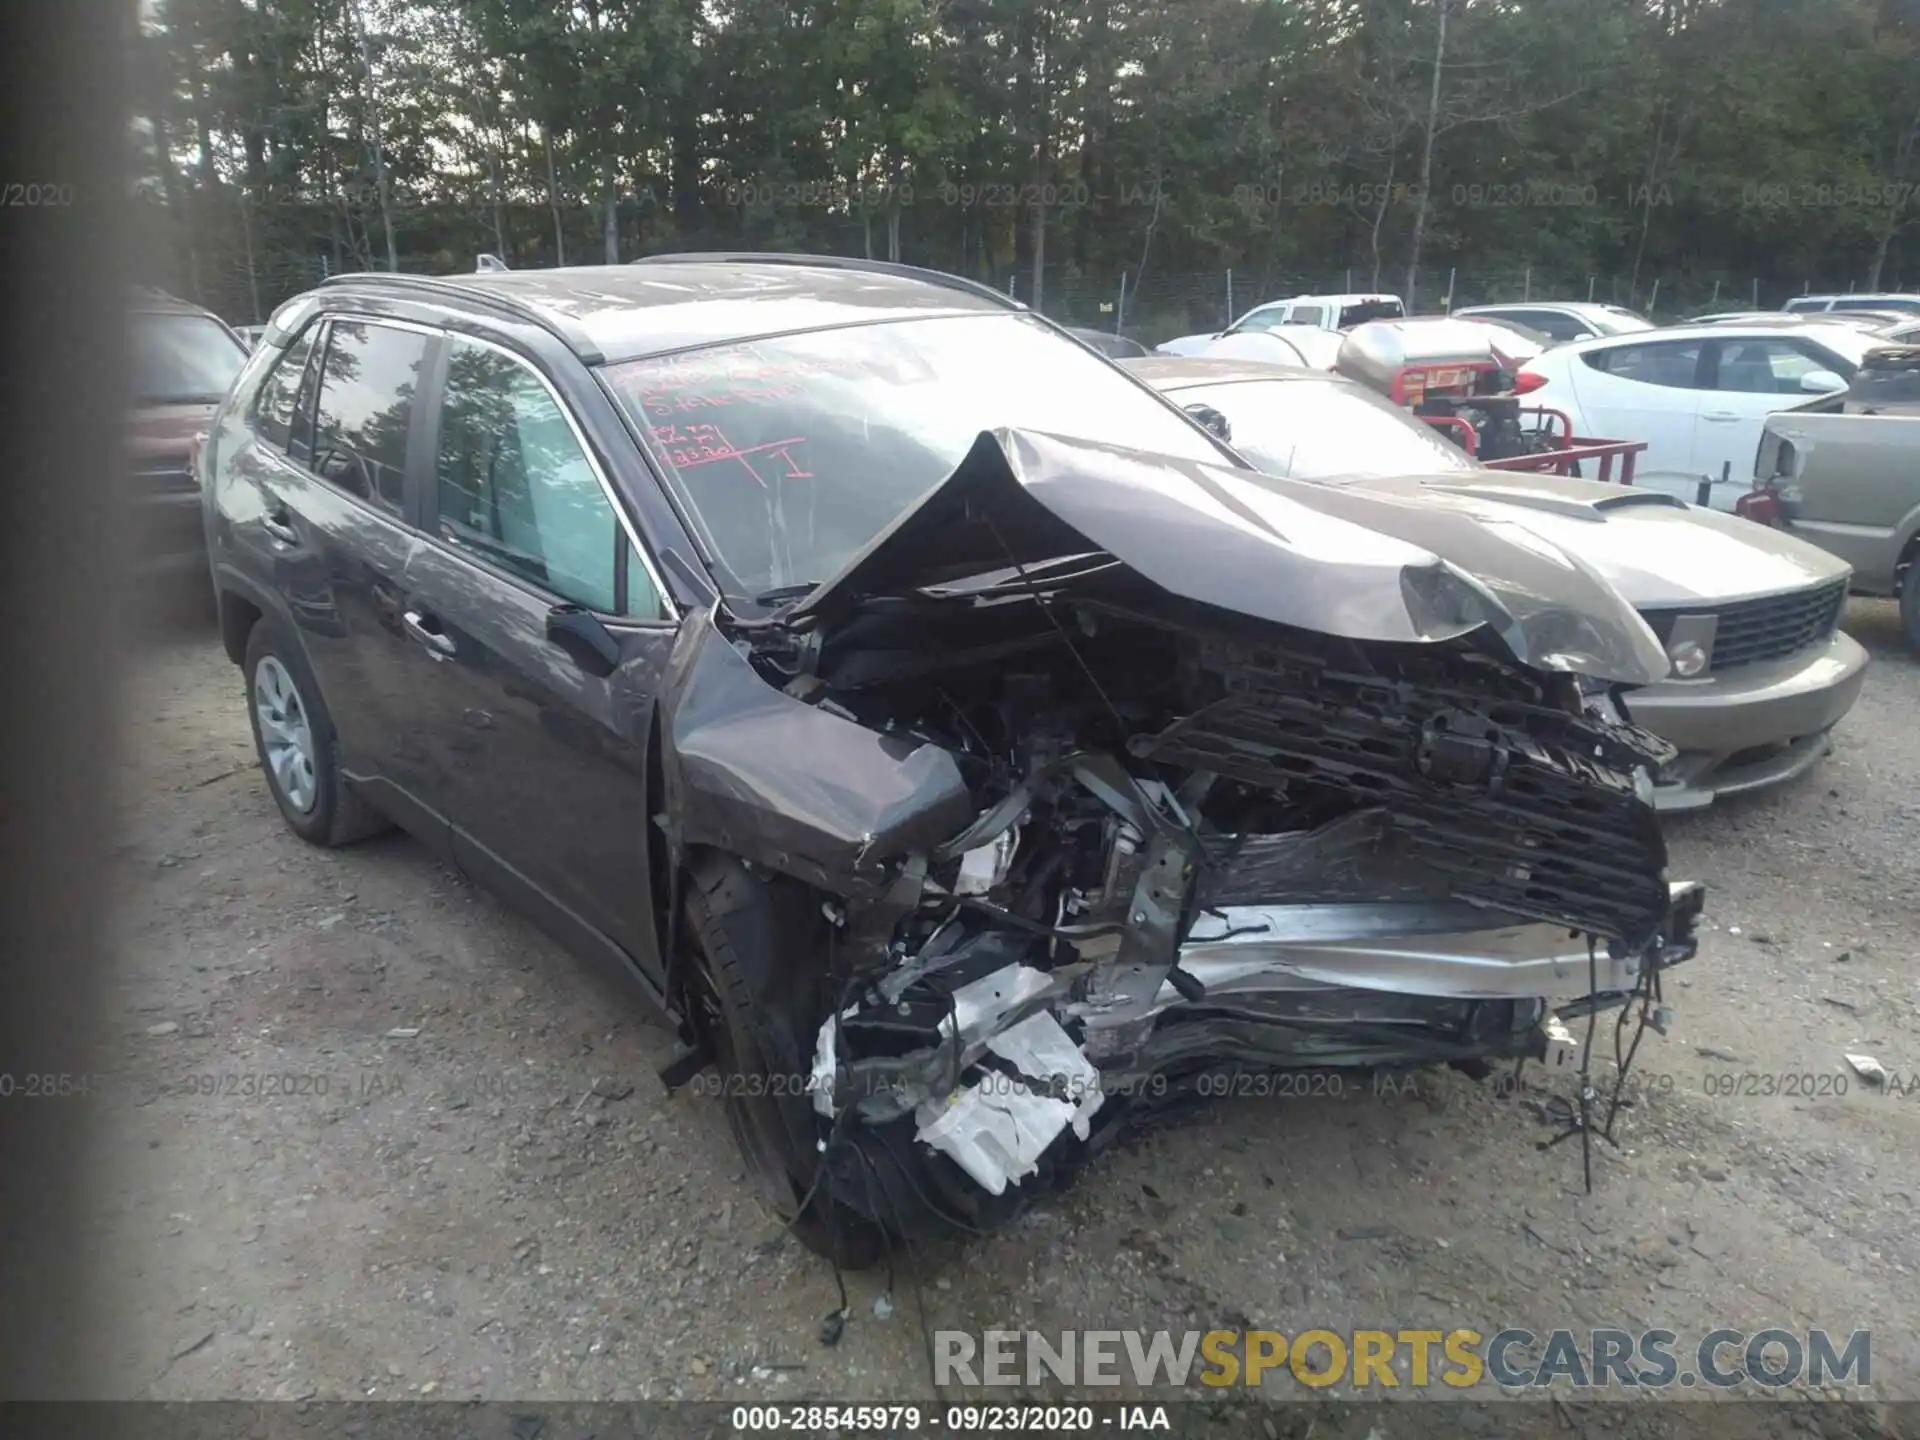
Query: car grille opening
point(1751, 631)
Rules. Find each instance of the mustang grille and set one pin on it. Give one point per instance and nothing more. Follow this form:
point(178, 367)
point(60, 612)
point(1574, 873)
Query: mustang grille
point(1518, 805)
point(1768, 629)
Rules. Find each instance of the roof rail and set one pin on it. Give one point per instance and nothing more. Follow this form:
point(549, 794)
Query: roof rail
point(497, 301)
point(831, 262)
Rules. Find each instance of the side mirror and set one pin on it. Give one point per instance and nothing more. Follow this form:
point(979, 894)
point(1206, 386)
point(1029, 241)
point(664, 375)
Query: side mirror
point(1822, 382)
point(588, 643)
point(1212, 419)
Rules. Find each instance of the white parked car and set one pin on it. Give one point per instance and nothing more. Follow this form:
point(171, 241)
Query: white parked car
point(1696, 394)
point(1315, 312)
point(1563, 319)
point(1877, 321)
point(1803, 304)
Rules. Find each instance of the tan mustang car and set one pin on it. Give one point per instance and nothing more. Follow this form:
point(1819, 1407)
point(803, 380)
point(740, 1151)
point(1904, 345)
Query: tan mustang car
point(1749, 615)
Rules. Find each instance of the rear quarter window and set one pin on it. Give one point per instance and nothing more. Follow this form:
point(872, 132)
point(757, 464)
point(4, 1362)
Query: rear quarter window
point(277, 400)
point(1674, 364)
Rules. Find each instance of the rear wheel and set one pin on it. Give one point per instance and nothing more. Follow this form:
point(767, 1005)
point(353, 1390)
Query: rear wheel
point(758, 1001)
point(293, 735)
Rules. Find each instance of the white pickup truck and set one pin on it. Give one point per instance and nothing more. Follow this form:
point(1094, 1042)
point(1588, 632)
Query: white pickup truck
point(1319, 312)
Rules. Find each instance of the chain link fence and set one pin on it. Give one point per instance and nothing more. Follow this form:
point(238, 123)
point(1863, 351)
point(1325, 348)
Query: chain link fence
point(242, 262)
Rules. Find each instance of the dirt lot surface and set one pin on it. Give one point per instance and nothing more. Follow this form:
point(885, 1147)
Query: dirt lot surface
point(493, 1197)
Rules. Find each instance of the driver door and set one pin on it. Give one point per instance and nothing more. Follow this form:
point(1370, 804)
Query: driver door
point(550, 802)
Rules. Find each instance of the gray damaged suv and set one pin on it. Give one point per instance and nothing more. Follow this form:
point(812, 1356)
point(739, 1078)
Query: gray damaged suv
point(959, 789)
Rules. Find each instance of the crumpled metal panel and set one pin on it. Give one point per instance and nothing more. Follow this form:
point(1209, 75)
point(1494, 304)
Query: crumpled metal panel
point(789, 785)
point(1340, 562)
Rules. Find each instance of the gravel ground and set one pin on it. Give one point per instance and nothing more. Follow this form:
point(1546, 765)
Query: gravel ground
point(493, 1197)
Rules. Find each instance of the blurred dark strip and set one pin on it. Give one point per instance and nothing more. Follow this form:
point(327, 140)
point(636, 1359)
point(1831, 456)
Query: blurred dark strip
point(62, 98)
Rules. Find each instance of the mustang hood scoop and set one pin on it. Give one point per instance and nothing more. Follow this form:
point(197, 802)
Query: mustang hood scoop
point(1355, 564)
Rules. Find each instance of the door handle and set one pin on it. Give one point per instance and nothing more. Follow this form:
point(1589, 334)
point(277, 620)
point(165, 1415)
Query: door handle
point(1721, 417)
point(280, 528)
point(438, 643)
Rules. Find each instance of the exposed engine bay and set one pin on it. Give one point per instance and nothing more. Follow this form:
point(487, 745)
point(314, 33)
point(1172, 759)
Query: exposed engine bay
point(1077, 839)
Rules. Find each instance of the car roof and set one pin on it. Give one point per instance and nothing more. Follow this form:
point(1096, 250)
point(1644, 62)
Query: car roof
point(666, 303)
point(1862, 297)
point(1176, 372)
point(1578, 307)
point(149, 301)
point(1354, 299)
point(1721, 331)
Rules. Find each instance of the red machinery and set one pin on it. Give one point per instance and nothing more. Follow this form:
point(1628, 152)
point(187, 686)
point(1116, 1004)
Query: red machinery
point(1461, 376)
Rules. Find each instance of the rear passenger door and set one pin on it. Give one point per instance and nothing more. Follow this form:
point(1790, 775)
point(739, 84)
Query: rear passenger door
point(335, 434)
point(551, 804)
point(1645, 390)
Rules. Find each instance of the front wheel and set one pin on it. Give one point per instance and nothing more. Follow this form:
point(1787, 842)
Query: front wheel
point(757, 999)
point(1910, 604)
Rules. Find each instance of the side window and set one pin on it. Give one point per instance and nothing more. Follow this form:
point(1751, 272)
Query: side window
point(276, 403)
point(515, 486)
point(1763, 367)
point(1553, 324)
point(1264, 318)
point(1307, 315)
point(368, 377)
point(1672, 363)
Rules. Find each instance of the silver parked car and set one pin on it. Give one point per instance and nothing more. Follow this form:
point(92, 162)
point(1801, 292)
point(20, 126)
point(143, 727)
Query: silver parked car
point(1749, 615)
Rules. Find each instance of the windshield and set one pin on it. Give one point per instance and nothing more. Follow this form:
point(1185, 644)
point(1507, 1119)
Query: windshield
point(1352, 315)
point(1315, 430)
point(792, 453)
point(183, 359)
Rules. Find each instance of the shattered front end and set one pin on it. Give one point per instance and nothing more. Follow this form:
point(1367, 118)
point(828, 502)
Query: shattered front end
point(1092, 815)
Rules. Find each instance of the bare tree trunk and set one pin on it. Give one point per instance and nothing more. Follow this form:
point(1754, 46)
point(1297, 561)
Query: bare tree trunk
point(493, 176)
point(1042, 151)
point(373, 128)
point(1379, 218)
point(246, 235)
point(1426, 156)
point(895, 165)
point(1897, 207)
point(186, 233)
point(553, 199)
point(1153, 223)
point(1646, 210)
point(609, 210)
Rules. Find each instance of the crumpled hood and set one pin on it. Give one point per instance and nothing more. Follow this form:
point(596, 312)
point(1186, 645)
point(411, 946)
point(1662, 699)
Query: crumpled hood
point(1344, 561)
point(1656, 550)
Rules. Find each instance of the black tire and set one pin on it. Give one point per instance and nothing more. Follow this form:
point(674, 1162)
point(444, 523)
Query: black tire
point(757, 1000)
point(1910, 603)
point(336, 816)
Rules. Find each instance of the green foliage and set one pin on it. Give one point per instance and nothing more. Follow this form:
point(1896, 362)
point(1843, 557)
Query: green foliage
point(1688, 139)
